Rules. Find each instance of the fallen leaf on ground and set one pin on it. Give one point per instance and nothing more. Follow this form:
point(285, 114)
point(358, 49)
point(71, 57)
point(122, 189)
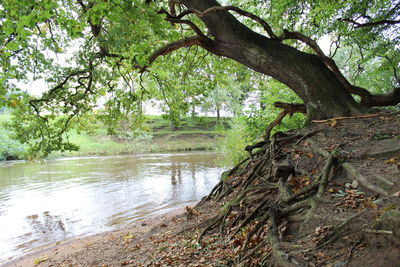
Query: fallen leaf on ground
point(333, 123)
point(368, 203)
point(391, 161)
point(128, 236)
point(397, 194)
point(40, 259)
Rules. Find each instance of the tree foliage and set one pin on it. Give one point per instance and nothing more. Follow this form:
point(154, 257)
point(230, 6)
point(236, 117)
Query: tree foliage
point(119, 52)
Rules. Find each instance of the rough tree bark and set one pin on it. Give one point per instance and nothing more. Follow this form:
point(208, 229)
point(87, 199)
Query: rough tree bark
point(304, 73)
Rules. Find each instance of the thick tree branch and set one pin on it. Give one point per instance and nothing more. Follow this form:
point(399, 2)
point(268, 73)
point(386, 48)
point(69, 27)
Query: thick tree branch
point(291, 108)
point(187, 22)
point(262, 22)
point(371, 24)
point(179, 16)
point(238, 10)
point(201, 39)
point(259, 20)
point(389, 99)
point(178, 19)
point(367, 98)
point(187, 42)
point(327, 61)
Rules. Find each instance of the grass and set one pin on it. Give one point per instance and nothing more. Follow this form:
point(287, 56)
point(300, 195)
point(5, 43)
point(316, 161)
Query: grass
point(96, 144)
point(193, 133)
point(198, 133)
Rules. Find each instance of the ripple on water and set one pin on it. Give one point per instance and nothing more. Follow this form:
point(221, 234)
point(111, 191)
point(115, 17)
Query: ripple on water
point(54, 200)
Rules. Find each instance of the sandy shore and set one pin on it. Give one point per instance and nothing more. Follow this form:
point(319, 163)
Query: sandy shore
point(167, 240)
point(63, 249)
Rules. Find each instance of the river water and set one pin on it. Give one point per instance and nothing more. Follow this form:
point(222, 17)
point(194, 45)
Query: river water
point(41, 203)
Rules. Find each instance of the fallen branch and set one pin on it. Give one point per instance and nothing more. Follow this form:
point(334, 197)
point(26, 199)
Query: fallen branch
point(351, 117)
point(288, 109)
point(380, 232)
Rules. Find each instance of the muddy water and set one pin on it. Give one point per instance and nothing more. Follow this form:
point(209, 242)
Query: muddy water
point(46, 202)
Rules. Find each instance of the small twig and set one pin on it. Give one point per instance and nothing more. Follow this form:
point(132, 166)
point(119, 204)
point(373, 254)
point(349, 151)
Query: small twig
point(223, 221)
point(252, 232)
point(254, 250)
point(351, 253)
point(251, 216)
point(383, 232)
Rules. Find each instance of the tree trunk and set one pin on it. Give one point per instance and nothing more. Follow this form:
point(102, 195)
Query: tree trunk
point(193, 110)
point(304, 73)
point(218, 114)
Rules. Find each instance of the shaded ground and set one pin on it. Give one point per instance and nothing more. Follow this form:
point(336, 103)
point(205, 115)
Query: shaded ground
point(327, 195)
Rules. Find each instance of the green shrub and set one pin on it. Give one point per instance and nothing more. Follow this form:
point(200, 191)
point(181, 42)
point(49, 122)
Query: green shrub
point(250, 128)
point(9, 148)
point(232, 145)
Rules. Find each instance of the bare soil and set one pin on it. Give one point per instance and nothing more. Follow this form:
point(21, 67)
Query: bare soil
point(342, 180)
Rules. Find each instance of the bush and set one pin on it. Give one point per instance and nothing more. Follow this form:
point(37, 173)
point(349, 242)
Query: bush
point(250, 128)
point(232, 145)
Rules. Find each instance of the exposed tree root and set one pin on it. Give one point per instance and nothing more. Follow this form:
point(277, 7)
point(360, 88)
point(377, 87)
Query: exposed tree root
point(323, 182)
point(268, 204)
point(280, 257)
point(263, 194)
point(384, 180)
point(335, 233)
point(383, 154)
point(353, 172)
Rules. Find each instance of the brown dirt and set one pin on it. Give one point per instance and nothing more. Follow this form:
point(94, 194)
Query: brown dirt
point(160, 242)
point(357, 222)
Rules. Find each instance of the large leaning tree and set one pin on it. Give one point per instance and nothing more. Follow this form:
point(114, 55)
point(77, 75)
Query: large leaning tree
point(87, 49)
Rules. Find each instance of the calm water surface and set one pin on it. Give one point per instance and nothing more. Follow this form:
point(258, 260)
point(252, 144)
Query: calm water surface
point(45, 202)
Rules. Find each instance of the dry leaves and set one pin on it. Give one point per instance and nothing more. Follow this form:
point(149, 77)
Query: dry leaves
point(393, 160)
point(298, 182)
point(40, 259)
point(353, 199)
point(333, 123)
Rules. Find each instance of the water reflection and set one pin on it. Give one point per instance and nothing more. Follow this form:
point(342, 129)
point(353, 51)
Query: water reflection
point(46, 224)
point(43, 203)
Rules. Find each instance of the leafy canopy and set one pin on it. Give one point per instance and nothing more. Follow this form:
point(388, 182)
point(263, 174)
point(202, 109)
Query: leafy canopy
point(90, 52)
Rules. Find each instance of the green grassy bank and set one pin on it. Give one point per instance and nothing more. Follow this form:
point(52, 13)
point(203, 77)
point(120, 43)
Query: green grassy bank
point(192, 133)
